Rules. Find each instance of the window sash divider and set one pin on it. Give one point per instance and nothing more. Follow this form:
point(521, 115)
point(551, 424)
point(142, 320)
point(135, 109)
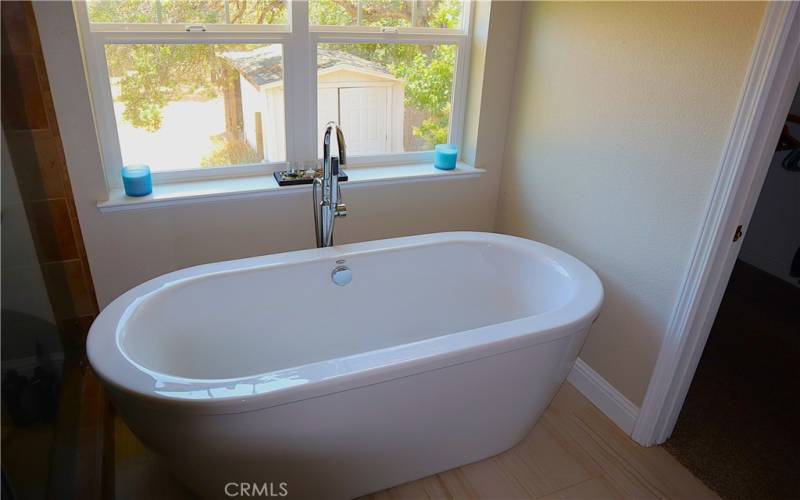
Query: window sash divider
point(402, 31)
point(300, 102)
point(460, 82)
point(412, 38)
point(189, 38)
point(177, 28)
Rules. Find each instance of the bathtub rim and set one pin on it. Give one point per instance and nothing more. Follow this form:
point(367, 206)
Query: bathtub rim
point(218, 396)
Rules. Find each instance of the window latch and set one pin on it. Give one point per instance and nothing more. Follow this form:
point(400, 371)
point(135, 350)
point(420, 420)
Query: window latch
point(390, 29)
point(194, 28)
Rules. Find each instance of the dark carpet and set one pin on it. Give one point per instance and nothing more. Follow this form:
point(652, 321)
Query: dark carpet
point(739, 430)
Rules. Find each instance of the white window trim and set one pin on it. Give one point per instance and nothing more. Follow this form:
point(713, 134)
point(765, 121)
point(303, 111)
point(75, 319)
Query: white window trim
point(299, 41)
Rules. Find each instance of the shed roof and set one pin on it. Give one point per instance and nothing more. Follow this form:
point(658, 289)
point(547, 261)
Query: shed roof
point(264, 66)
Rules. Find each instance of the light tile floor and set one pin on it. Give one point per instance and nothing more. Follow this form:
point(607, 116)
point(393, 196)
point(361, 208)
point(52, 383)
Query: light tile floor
point(573, 452)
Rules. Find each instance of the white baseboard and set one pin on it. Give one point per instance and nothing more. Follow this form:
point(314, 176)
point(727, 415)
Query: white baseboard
point(604, 396)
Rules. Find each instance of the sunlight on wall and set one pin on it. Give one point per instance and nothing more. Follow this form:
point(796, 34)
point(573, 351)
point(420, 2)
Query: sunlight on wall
point(621, 111)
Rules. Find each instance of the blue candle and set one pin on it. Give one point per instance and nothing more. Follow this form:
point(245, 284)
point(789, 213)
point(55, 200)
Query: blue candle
point(445, 156)
point(137, 180)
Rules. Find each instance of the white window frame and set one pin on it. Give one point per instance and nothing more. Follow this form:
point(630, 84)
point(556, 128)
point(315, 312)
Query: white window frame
point(299, 40)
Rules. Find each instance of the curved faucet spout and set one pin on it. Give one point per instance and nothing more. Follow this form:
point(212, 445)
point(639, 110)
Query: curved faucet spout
point(329, 205)
point(326, 143)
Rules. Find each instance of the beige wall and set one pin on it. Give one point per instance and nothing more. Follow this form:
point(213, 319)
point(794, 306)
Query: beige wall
point(127, 248)
point(620, 113)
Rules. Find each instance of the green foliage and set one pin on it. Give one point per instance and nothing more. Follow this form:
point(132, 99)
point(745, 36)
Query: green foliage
point(433, 14)
point(444, 14)
point(429, 85)
point(152, 76)
point(122, 11)
point(332, 12)
point(187, 11)
point(230, 151)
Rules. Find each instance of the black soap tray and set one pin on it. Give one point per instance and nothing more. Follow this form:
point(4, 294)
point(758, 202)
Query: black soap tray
point(287, 178)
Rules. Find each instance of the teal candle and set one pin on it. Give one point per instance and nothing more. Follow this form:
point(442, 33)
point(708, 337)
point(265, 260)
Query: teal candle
point(137, 180)
point(445, 156)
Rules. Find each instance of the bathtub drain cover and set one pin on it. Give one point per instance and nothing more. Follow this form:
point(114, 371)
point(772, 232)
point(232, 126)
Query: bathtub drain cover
point(341, 275)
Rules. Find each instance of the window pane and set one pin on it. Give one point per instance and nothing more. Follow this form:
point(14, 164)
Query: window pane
point(121, 11)
point(439, 14)
point(388, 98)
point(399, 13)
point(188, 11)
point(183, 106)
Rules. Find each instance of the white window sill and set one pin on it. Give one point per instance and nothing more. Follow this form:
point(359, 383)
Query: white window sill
point(179, 193)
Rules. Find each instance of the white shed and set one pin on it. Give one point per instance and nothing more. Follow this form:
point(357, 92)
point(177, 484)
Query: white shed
point(362, 96)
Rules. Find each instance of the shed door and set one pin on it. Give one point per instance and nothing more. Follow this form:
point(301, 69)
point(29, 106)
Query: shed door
point(363, 117)
point(363, 114)
point(327, 108)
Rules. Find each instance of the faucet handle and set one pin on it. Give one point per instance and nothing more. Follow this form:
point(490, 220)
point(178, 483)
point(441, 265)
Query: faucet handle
point(334, 166)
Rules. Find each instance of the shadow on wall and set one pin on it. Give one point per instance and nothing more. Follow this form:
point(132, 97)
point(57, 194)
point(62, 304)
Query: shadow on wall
point(644, 313)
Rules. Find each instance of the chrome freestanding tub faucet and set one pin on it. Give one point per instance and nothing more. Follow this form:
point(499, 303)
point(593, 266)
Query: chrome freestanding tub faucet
point(329, 206)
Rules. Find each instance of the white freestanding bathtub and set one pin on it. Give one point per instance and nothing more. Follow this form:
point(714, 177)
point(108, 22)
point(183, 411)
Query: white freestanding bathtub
point(443, 349)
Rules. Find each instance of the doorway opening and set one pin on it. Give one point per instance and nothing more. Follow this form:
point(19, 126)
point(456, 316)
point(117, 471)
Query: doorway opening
point(737, 430)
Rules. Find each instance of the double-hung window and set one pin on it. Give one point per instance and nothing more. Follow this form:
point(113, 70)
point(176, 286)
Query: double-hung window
point(213, 88)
